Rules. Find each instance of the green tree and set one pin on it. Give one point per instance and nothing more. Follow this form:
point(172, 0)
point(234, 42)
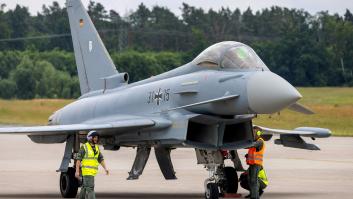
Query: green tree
point(348, 16)
point(8, 62)
point(45, 74)
point(7, 89)
point(24, 79)
point(199, 44)
point(138, 65)
point(170, 29)
point(53, 20)
point(248, 26)
point(20, 23)
point(140, 17)
point(4, 27)
point(97, 12)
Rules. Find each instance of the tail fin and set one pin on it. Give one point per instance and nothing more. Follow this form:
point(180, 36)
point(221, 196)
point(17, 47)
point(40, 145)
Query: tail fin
point(93, 61)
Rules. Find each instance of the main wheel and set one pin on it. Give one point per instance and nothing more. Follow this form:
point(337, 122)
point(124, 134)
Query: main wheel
point(231, 183)
point(68, 184)
point(212, 191)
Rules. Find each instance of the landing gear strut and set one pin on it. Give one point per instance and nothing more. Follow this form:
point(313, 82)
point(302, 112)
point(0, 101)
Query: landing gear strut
point(69, 184)
point(211, 184)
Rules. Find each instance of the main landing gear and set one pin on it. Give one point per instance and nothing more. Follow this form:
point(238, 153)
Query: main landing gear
point(223, 180)
point(69, 183)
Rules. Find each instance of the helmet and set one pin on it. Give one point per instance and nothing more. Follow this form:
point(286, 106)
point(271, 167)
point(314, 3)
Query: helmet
point(91, 134)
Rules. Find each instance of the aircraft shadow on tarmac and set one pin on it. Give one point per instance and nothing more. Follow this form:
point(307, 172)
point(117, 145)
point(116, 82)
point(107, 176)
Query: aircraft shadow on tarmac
point(156, 195)
point(111, 195)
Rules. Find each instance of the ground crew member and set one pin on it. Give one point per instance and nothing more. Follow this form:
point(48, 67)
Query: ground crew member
point(254, 159)
point(88, 159)
point(262, 178)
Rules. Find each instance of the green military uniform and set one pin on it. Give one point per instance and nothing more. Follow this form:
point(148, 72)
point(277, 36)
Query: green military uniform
point(254, 181)
point(255, 161)
point(262, 179)
point(90, 157)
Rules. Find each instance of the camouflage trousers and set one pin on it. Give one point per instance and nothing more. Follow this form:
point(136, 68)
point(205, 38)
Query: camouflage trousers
point(87, 190)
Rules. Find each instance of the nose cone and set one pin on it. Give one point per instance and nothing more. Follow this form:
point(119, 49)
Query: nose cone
point(269, 93)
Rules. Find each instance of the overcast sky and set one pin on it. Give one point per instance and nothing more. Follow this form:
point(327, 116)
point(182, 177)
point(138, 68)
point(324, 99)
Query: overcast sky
point(125, 6)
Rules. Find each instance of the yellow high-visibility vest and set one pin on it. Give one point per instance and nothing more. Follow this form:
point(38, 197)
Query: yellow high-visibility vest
point(263, 177)
point(90, 161)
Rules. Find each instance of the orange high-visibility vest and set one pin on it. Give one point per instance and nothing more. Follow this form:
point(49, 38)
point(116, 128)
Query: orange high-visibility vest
point(256, 157)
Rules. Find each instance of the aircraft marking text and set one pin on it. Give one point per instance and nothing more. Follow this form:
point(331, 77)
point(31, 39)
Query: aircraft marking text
point(162, 95)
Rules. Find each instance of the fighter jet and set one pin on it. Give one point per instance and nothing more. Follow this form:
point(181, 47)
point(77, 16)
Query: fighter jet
point(207, 104)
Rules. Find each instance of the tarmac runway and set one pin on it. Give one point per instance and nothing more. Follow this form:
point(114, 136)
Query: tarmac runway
point(28, 171)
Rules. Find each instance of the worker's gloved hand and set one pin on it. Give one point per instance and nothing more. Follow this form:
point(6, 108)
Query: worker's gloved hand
point(107, 172)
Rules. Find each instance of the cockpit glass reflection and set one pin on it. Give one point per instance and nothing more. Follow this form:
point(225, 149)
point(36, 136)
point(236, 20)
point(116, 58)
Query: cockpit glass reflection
point(242, 57)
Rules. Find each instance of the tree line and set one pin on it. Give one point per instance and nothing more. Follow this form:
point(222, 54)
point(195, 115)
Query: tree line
point(52, 74)
point(36, 58)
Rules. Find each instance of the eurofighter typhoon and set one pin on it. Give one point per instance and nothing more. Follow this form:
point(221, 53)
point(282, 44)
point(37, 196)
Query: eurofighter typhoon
point(207, 104)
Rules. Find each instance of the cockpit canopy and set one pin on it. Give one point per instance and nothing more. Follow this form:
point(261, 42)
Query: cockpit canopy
point(232, 55)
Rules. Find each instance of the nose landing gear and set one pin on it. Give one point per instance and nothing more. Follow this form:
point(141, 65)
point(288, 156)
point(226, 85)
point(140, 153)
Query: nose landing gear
point(212, 191)
point(222, 180)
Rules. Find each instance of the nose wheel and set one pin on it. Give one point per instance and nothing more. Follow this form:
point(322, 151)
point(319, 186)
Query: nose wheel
point(222, 181)
point(212, 191)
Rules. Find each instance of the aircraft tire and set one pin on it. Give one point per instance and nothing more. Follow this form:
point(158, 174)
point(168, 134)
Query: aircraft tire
point(232, 181)
point(212, 191)
point(68, 184)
